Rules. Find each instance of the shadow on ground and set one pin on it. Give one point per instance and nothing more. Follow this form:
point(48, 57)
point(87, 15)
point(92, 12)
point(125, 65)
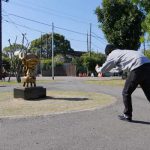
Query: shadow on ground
point(141, 122)
point(60, 98)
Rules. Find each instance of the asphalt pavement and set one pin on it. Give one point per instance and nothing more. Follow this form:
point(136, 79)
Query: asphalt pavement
point(98, 129)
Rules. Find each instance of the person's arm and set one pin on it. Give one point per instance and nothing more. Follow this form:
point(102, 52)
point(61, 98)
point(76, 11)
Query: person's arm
point(107, 66)
point(98, 68)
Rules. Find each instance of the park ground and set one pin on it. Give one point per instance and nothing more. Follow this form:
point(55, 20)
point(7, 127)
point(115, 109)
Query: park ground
point(78, 114)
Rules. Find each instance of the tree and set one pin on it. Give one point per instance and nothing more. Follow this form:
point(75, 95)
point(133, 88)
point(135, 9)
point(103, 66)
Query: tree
point(6, 63)
point(10, 50)
point(47, 63)
point(121, 21)
point(144, 6)
point(43, 45)
point(147, 53)
point(87, 62)
point(15, 62)
point(146, 25)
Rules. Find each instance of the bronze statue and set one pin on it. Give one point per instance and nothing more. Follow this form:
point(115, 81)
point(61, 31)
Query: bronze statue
point(29, 62)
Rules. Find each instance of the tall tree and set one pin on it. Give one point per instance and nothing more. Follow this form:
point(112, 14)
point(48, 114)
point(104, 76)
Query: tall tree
point(144, 6)
point(43, 45)
point(146, 25)
point(121, 21)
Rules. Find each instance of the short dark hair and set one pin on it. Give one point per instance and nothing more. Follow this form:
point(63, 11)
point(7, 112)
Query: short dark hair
point(109, 48)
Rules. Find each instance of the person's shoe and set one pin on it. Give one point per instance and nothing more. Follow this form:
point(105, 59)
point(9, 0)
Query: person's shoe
point(125, 118)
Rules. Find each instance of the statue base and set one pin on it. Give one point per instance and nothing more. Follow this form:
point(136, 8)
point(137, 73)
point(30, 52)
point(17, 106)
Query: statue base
point(30, 93)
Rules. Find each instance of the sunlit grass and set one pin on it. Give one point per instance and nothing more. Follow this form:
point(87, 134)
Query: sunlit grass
point(8, 83)
point(56, 102)
point(113, 82)
point(3, 83)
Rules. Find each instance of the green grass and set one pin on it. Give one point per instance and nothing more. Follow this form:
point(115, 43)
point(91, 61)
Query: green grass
point(8, 83)
point(113, 82)
point(3, 83)
point(56, 102)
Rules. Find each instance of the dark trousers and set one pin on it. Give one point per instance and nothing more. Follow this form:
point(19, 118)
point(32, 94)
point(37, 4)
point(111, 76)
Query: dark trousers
point(139, 76)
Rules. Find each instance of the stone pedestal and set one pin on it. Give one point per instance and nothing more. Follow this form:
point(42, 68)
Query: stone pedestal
point(30, 93)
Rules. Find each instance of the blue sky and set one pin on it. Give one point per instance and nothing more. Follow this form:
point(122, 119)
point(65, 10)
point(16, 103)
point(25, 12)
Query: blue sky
point(73, 15)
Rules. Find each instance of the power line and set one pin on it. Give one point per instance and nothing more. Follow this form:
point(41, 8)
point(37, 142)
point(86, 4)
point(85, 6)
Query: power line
point(12, 22)
point(36, 29)
point(99, 38)
point(53, 12)
point(95, 35)
point(35, 21)
point(47, 24)
point(24, 26)
point(30, 20)
point(45, 32)
point(96, 45)
point(42, 23)
point(70, 30)
point(32, 29)
point(77, 40)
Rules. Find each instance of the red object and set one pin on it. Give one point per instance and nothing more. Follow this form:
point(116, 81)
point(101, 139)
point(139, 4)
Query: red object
point(100, 75)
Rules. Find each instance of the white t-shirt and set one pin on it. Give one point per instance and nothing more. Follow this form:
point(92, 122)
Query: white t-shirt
point(127, 60)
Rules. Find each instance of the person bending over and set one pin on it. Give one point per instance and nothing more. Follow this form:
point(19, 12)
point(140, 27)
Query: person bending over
point(138, 67)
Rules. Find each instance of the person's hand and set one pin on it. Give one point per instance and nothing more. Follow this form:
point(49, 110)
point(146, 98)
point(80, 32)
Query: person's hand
point(97, 66)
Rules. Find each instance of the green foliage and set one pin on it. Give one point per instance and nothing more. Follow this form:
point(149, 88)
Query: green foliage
point(147, 53)
point(43, 45)
point(46, 64)
point(81, 69)
point(15, 63)
point(10, 50)
point(61, 44)
point(77, 61)
point(59, 60)
point(90, 60)
point(87, 62)
point(146, 25)
point(59, 63)
point(143, 4)
point(121, 23)
point(6, 63)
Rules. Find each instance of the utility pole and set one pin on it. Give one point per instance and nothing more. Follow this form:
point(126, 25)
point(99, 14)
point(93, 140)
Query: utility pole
point(47, 45)
point(53, 51)
point(1, 37)
point(1, 40)
point(23, 37)
point(41, 55)
point(90, 38)
point(87, 42)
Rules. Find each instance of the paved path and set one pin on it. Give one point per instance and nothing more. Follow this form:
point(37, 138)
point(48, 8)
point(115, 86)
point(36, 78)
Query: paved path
point(97, 129)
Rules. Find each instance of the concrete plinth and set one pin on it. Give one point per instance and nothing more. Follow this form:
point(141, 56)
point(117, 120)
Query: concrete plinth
point(30, 93)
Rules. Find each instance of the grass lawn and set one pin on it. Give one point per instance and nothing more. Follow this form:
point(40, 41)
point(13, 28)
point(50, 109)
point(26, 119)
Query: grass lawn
point(114, 82)
point(56, 102)
point(4, 83)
